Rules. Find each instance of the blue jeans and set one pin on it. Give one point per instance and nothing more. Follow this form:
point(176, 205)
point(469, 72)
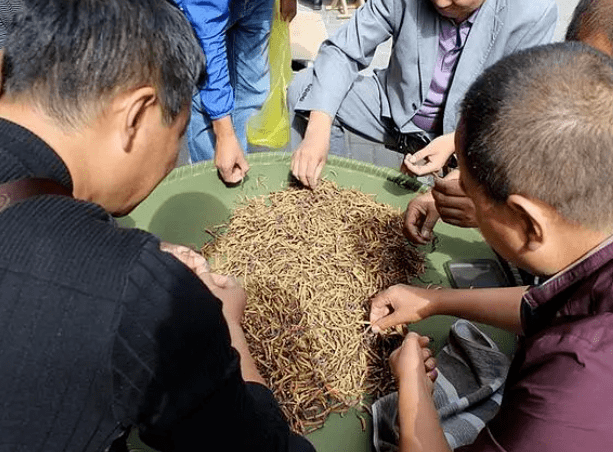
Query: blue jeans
point(247, 43)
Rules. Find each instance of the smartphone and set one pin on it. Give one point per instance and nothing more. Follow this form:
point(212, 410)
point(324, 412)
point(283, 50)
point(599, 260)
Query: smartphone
point(476, 273)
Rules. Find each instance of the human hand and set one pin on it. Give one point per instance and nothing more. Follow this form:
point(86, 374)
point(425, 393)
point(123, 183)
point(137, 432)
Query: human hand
point(419, 219)
point(401, 304)
point(195, 261)
point(230, 159)
point(413, 361)
point(288, 10)
point(435, 155)
point(452, 203)
point(231, 294)
point(309, 160)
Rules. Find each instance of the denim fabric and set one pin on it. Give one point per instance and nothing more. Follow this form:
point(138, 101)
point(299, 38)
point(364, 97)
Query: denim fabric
point(247, 43)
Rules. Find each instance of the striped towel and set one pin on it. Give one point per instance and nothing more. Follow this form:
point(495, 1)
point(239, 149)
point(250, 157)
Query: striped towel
point(7, 9)
point(467, 392)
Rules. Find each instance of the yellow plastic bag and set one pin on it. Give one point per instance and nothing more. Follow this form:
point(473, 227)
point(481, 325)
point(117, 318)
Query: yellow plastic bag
point(270, 127)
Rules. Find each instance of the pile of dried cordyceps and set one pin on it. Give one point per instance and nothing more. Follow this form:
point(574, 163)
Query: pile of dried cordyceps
point(310, 261)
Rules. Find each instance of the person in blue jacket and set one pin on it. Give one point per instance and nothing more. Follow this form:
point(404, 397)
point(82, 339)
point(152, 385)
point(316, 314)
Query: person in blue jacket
point(234, 36)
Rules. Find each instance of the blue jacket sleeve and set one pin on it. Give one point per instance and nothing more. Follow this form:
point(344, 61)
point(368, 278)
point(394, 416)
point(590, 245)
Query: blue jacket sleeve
point(209, 18)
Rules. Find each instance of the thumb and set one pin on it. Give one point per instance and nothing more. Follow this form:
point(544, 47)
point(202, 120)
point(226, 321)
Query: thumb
point(233, 175)
point(238, 173)
point(387, 322)
point(421, 154)
point(242, 164)
point(440, 184)
point(226, 173)
point(428, 225)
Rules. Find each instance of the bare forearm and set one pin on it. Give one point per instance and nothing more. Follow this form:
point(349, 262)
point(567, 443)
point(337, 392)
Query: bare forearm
point(499, 307)
point(249, 369)
point(319, 127)
point(420, 429)
point(223, 128)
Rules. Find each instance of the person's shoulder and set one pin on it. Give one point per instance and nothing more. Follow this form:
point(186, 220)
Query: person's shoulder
point(574, 356)
point(589, 333)
point(575, 345)
point(70, 243)
point(523, 9)
point(394, 9)
point(557, 392)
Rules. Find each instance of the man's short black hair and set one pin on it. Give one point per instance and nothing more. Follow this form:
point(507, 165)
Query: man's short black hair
point(70, 57)
point(590, 18)
point(540, 123)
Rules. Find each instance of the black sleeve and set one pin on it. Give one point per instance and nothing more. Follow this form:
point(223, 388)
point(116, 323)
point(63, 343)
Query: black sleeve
point(176, 373)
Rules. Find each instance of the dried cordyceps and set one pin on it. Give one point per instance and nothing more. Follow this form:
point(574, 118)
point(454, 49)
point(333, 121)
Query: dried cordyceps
point(310, 261)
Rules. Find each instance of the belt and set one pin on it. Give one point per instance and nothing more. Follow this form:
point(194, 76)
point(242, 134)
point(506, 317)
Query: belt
point(408, 143)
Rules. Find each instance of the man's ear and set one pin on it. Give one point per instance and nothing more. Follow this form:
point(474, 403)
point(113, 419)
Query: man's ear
point(534, 220)
point(134, 106)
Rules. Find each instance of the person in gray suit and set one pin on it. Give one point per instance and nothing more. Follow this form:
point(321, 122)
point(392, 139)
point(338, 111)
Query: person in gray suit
point(592, 24)
point(439, 49)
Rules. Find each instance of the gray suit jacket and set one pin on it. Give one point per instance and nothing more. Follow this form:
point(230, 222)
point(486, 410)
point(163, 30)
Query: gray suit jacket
point(501, 27)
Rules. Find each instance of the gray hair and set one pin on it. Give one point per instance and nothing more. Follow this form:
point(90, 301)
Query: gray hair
point(70, 57)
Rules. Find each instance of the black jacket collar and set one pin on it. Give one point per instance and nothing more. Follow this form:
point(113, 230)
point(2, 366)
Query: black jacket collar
point(23, 154)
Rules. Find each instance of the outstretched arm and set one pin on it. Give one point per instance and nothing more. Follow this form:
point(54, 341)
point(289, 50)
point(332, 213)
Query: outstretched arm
point(309, 159)
point(209, 20)
point(233, 298)
point(229, 155)
point(191, 382)
point(336, 67)
point(401, 304)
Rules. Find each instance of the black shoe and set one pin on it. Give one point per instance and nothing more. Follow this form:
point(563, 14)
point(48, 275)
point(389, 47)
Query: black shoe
point(317, 4)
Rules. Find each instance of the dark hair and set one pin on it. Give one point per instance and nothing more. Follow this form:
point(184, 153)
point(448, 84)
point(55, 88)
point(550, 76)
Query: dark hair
point(72, 56)
point(591, 17)
point(540, 123)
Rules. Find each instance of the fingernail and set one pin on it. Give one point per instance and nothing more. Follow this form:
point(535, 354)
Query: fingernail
point(376, 329)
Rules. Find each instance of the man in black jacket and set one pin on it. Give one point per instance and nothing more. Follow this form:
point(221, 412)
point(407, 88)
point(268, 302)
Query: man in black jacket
point(100, 329)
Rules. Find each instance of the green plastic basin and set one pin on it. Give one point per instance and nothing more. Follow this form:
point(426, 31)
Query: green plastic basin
point(193, 198)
